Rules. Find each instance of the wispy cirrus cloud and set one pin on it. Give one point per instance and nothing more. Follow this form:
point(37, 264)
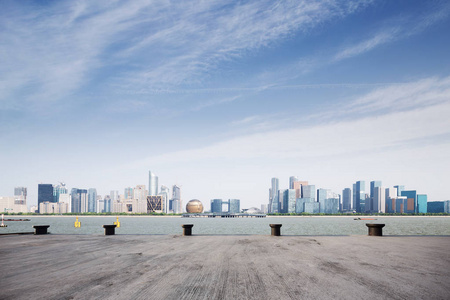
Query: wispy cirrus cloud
point(51, 51)
point(406, 26)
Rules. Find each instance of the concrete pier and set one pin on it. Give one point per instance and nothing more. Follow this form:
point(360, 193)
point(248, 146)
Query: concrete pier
point(223, 267)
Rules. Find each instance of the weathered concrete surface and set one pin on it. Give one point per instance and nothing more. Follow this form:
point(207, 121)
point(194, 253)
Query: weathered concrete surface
point(224, 267)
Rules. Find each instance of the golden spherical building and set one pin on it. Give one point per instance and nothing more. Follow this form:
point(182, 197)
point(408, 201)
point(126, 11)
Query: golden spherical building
point(194, 207)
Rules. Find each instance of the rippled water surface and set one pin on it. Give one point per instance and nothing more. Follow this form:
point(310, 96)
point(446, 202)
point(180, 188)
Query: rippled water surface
point(291, 225)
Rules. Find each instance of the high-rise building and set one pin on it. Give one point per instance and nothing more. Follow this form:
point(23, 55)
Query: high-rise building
point(107, 204)
point(274, 205)
point(322, 195)
point(155, 204)
point(234, 206)
point(114, 195)
point(176, 200)
point(140, 193)
point(45, 193)
point(216, 205)
point(297, 186)
point(152, 184)
point(360, 196)
point(400, 189)
point(309, 191)
point(20, 195)
point(128, 193)
point(410, 204)
point(79, 200)
point(370, 206)
point(289, 201)
point(59, 190)
point(292, 179)
point(92, 200)
point(378, 200)
point(347, 199)
point(165, 192)
point(422, 204)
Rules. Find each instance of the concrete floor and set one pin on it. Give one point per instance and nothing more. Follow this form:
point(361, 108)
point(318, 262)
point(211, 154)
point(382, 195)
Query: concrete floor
point(223, 267)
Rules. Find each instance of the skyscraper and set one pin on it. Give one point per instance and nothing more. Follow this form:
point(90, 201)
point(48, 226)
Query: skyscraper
point(422, 204)
point(274, 205)
point(165, 191)
point(347, 199)
point(371, 206)
point(410, 203)
point(378, 200)
point(234, 206)
point(79, 200)
point(152, 184)
point(176, 199)
point(360, 195)
point(59, 190)
point(128, 193)
point(216, 205)
point(292, 179)
point(20, 195)
point(400, 189)
point(92, 200)
point(45, 194)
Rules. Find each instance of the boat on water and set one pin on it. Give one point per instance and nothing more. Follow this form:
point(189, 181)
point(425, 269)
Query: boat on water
point(364, 219)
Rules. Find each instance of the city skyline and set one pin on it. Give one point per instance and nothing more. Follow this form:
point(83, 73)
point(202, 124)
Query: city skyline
point(219, 97)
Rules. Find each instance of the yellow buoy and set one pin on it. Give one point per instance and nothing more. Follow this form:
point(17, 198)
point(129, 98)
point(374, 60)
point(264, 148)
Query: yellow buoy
point(117, 223)
point(77, 223)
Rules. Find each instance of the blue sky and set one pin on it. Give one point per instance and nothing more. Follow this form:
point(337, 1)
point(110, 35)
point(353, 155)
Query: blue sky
point(221, 96)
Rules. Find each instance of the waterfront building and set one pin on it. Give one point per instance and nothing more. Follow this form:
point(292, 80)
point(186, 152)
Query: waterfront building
point(360, 196)
point(66, 198)
point(378, 200)
point(437, 207)
point(20, 195)
point(274, 206)
point(216, 205)
point(354, 197)
point(292, 179)
point(331, 206)
point(165, 194)
point(390, 193)
point(400, 189)
point(176, 199)
point(79, 200)
point(152, 184)
point(264, 208)
point(92, 200)
point(297, 185)
point(114, 195)
point(53, 208)
point(371, 206)
point(422, 207)
point(309, 191)
point(322, 195)
point(300, 204)
point(58, 190)
point(410, 206)
point(107, 204)
point(140, 193)
point(347, 199)
point(289, 201)
point(155, 204)
point(311, 207)
point(128, 193)
point(45, 193)
point(8, 204)
point(234, 206)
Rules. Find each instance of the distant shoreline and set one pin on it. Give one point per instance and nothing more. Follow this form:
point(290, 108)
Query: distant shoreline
point(268, 216)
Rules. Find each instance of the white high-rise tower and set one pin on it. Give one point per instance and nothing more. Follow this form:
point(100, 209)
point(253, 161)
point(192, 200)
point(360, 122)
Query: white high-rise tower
point(152, 184)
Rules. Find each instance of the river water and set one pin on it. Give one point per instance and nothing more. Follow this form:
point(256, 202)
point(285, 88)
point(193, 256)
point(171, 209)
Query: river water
point(322, 225)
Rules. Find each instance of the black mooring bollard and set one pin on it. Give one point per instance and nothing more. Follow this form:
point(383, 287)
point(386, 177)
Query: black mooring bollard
point(110, 229)
point(276, 229)
point(40, 229)
point(375, 229)
point(187, 229)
